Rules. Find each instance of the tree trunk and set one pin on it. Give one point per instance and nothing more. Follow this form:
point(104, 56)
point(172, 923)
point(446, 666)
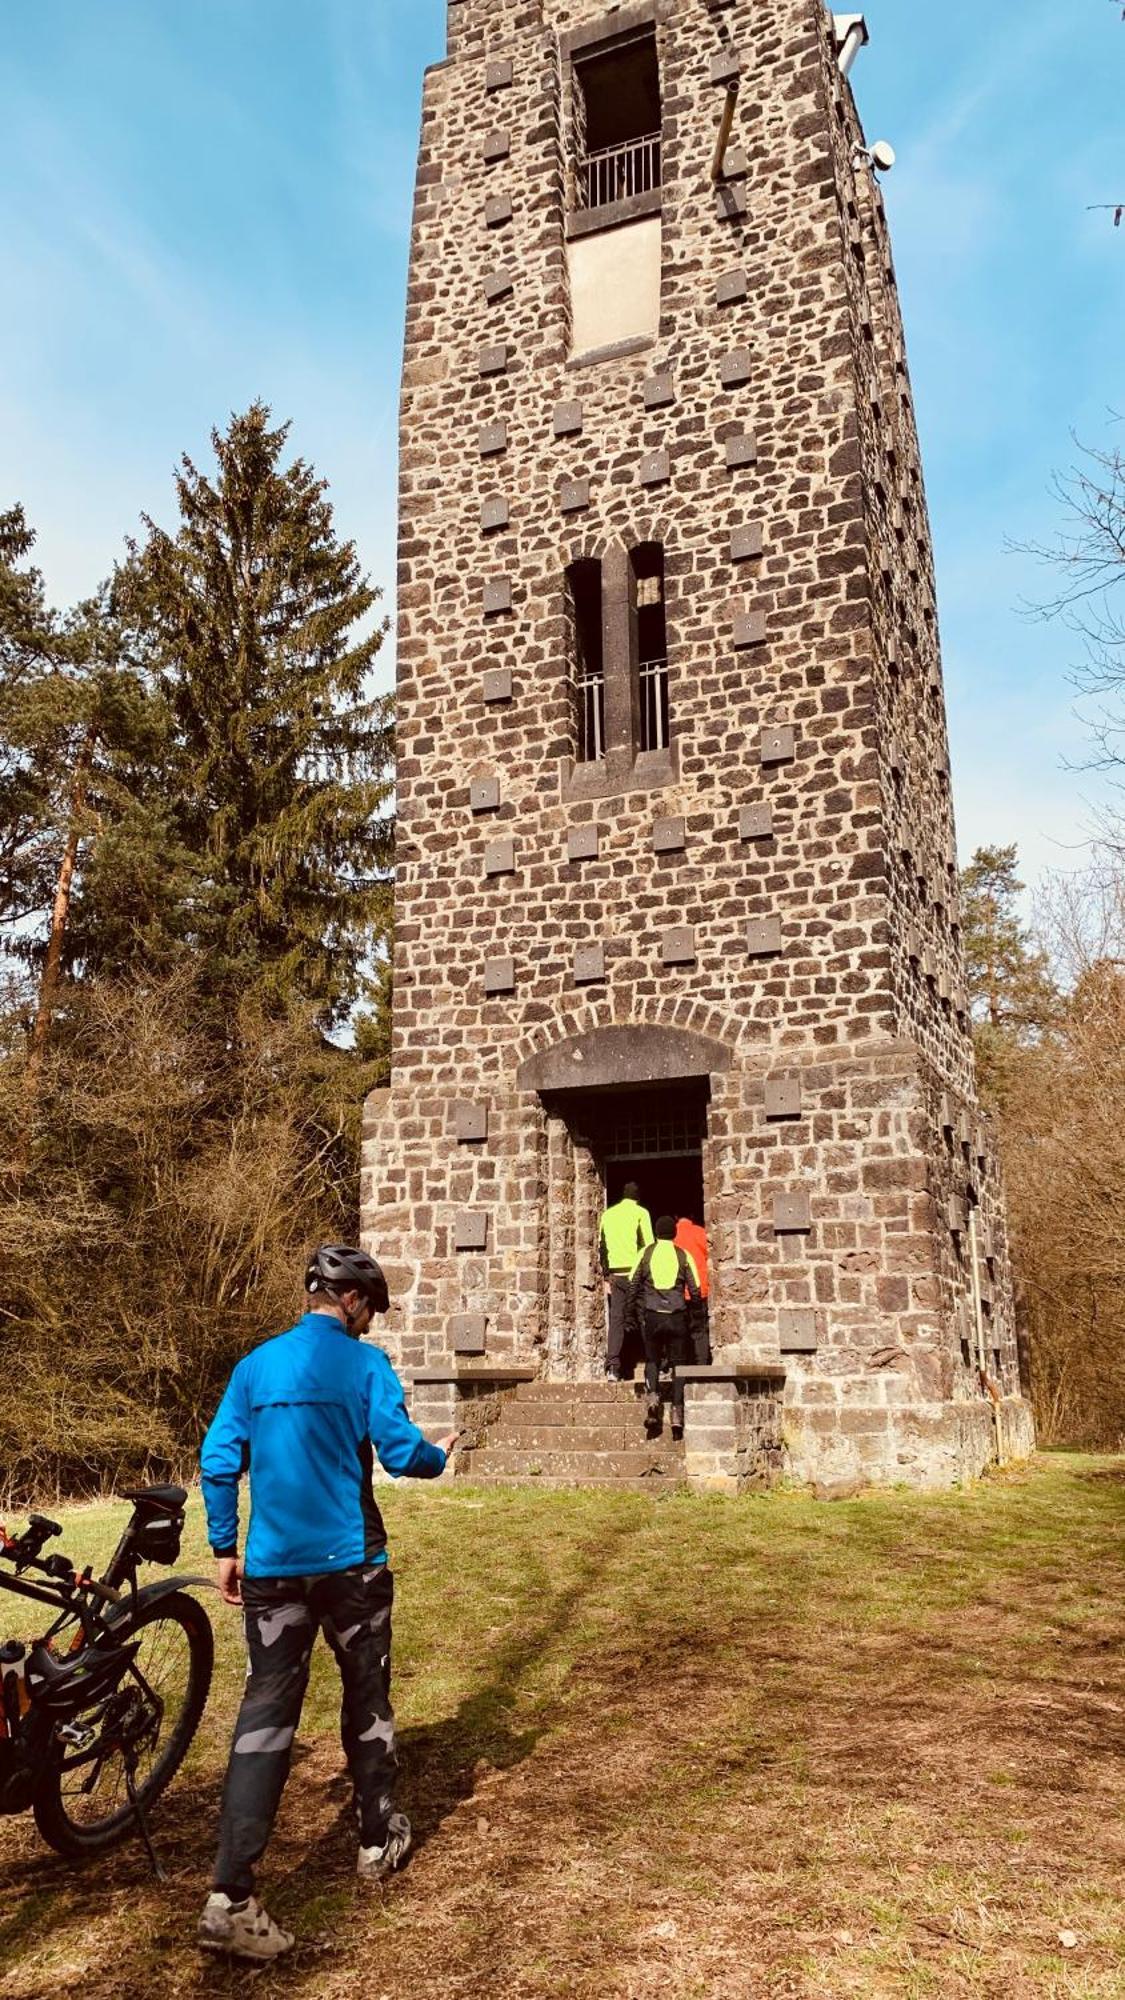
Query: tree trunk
point(52, 966)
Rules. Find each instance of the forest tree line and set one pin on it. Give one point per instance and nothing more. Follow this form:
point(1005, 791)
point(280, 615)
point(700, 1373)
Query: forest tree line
point(196, 844)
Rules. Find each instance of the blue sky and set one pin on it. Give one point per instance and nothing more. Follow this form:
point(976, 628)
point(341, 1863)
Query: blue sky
point(206, 201)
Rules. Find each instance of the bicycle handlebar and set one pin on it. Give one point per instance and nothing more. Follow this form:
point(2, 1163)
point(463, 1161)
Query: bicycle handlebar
point(58, 1569)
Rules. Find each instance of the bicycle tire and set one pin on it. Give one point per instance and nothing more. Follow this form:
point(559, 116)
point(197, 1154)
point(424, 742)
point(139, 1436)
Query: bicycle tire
point(53, 1817)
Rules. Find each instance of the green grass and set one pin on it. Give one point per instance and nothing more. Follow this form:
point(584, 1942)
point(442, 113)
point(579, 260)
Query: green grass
point(678, 1747)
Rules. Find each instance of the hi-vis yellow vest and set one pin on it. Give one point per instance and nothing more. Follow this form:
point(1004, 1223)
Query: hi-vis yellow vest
point(626, 1231)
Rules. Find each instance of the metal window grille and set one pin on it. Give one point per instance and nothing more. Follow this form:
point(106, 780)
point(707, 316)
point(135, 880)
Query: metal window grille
point(654, 704)
point(644, 1131)
point(616, 172)
point(591, 715)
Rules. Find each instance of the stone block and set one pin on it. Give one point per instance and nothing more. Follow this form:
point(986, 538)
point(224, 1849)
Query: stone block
point(740, 451)
point(499, 975)
point(470, 1122)
point(498, 74)
point(484, 795)
point(491, 439)
point(493, 360)
point(500, 857)
point(777, 745)
point(659, 390)
point(731, 287)
point(797, 1330)
point(668, 836)
point(495, 146)
point(749, 629)
point(756, 823)
point(496, 285)
point(763, 937)
point(470, 1230)
point(792, 1213)
point(735, 368)
point(677, 946)
point(497, 211)
point(582, 843)
point(655, 469)
point(726, 65)
point(783, 1096)
point(496, 684)
point(574, 495)
point(497, 595)
point(589, 964)
point(567, 419)
point(732, 201)
point(746, 541)
point(494, 513)
point(467, 1333)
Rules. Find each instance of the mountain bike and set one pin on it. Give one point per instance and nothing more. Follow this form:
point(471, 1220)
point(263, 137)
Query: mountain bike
point(97, 1715)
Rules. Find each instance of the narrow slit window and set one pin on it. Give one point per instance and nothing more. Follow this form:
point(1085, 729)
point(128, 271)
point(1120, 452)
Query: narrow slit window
point(652, 647)
point(617, 122)
point(584, 612)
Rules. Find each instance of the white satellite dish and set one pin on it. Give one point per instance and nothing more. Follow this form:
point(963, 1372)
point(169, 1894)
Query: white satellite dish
point(883, 156)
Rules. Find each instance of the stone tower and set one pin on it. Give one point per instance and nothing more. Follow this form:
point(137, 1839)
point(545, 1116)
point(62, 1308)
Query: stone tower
point(677, 893)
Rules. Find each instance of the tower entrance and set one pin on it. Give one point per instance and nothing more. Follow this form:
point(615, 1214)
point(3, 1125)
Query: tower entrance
point(653, 1136)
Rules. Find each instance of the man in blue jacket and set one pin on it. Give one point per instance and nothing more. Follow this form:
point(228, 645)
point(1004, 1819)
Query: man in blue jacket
point(304, 1415)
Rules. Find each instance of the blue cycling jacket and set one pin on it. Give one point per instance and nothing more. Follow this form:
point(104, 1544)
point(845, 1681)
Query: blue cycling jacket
point(301, 1415)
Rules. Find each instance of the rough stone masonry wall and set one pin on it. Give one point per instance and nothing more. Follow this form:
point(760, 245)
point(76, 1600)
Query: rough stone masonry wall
point(747, 440)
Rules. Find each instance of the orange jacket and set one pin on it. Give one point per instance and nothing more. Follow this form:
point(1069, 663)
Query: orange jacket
point(693, 1239)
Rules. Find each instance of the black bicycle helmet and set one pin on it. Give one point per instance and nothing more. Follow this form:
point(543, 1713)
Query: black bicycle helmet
point(337, 1268)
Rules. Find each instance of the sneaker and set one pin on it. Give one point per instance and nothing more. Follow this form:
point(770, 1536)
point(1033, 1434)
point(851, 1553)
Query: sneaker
point(613, 1374)
point(677, 1429)
point(244, 1929)
point(375, 1862)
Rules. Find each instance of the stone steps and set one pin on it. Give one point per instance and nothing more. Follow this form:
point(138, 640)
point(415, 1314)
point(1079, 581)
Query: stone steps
point(515, 1462)
point(578, 1482)
point(576, 1434)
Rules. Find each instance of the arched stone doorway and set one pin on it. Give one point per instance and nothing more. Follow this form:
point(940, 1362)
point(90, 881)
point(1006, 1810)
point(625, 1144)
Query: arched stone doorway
point(620, 1103)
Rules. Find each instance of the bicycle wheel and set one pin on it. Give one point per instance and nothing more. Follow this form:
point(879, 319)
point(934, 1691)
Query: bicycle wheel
point(83, 1804)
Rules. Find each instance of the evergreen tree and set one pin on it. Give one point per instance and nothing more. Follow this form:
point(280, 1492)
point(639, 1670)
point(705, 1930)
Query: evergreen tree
point(254, 623)
point(34, 717)
point(1014, 999)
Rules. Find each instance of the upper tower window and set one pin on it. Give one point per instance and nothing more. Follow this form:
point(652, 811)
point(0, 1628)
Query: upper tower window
point(584, 618)
point(652, 646)
point(617, 121)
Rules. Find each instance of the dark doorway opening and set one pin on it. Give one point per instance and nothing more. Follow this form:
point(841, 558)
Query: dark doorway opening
point(652, 1134)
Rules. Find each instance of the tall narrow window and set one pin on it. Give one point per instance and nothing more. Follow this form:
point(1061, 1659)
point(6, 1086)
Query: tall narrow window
point(584, 610)
point(617, 122)
point(652, 646)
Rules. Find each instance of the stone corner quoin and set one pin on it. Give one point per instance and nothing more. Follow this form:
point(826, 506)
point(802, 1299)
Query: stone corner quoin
point(668, 652)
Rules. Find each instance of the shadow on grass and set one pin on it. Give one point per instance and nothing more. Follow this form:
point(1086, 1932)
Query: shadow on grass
point(52, 1907)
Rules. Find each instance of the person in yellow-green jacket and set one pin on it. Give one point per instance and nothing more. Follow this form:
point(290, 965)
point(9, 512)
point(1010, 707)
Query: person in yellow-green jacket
point(664, 1300)
point(626, 1230)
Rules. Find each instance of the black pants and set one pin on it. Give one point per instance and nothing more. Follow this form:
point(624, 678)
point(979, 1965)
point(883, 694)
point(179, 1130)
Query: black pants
point(283, 1615)
point(618, 1304)
point(701, 1335)
point(667, 1338)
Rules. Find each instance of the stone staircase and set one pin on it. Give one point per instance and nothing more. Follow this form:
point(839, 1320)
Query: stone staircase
point(574, 1434)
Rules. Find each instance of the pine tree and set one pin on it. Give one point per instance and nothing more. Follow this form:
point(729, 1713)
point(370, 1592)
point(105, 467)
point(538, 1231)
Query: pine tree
point(1014, 999)
point(254, 622)
point(33, 730)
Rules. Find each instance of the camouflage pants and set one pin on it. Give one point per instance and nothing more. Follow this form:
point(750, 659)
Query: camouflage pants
point(282, 1617)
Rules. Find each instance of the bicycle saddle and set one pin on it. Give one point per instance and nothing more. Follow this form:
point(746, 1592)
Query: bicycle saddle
point(157, 1496)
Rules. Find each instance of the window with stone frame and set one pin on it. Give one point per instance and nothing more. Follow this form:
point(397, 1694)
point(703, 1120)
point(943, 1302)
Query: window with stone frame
point(651, 642)
point(587, 658)
point(616, 120)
